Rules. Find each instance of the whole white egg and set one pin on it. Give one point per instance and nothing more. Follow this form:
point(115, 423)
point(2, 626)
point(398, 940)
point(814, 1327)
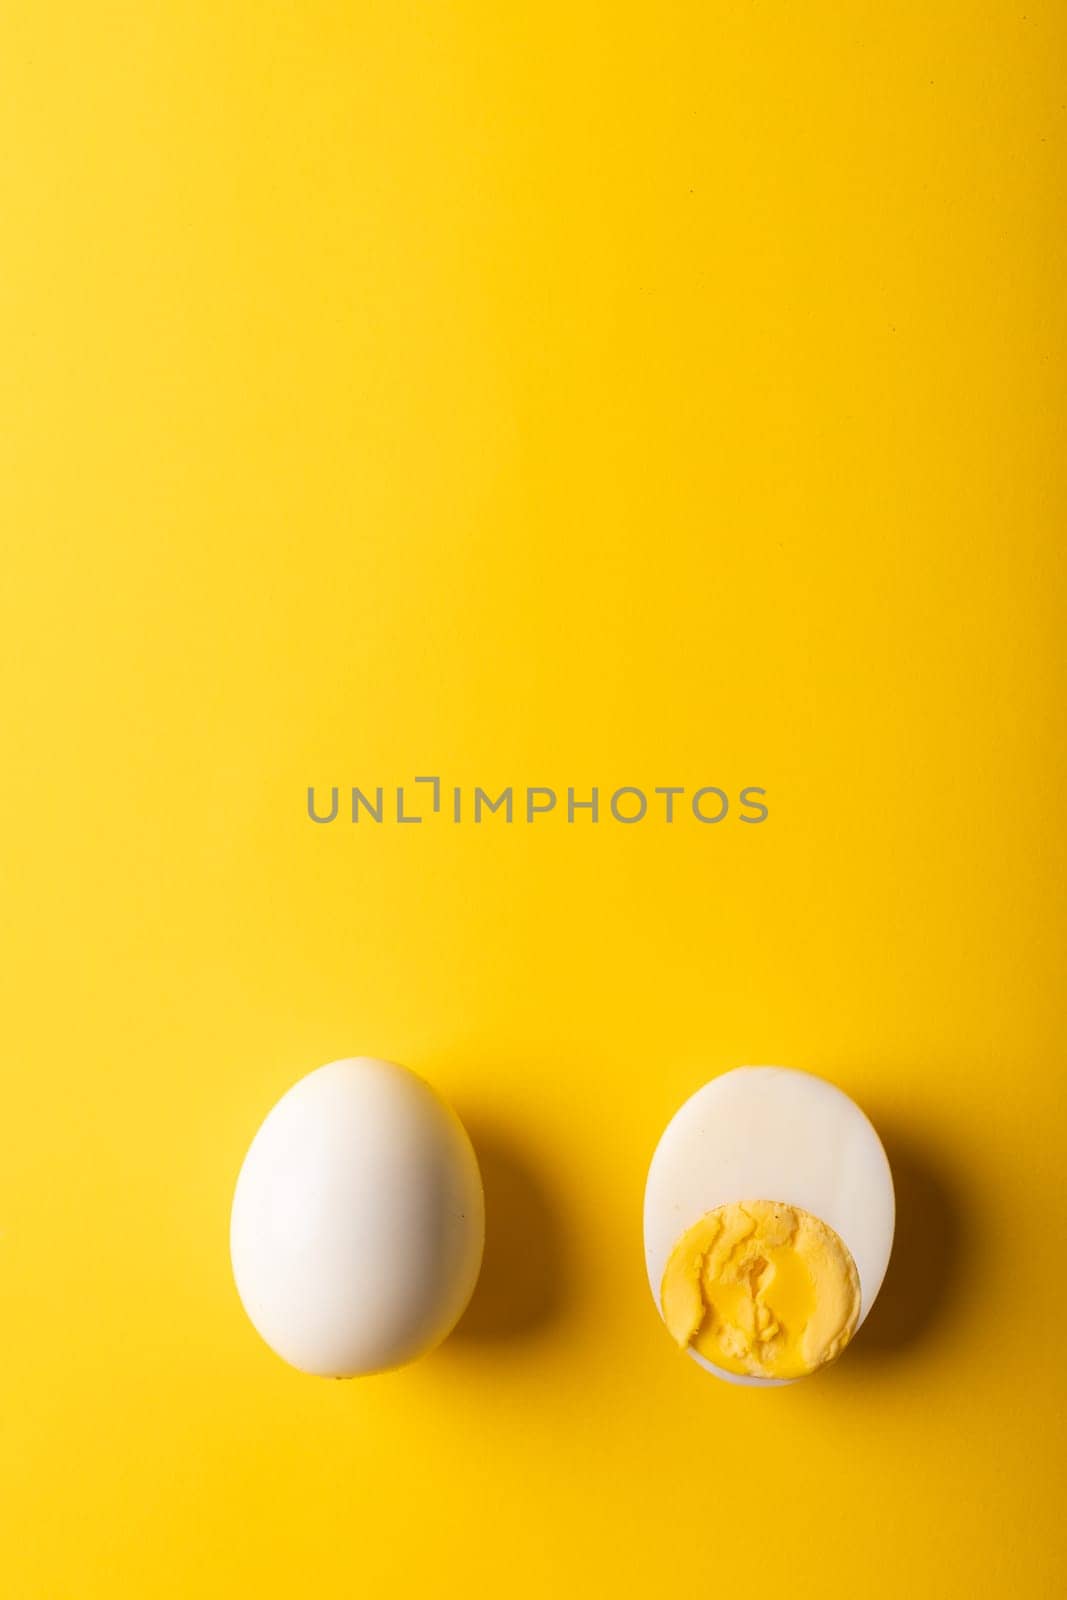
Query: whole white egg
point(358, 1220)
point(771, 1133)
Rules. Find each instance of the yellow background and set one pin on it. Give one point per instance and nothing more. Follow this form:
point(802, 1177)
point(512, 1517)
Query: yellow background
point(614, 394)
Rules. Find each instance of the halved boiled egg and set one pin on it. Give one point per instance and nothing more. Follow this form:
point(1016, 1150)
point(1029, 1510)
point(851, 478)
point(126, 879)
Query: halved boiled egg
point(769, 1215)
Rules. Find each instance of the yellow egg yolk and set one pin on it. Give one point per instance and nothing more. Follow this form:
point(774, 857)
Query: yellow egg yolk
point(761, 1289)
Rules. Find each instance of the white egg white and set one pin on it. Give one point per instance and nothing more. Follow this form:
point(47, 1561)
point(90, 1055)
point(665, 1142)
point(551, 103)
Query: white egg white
point(358, 1220)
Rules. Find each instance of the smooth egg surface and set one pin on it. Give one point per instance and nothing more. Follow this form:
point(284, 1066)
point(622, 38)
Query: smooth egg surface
point(358, 1220)
point(771, 1134)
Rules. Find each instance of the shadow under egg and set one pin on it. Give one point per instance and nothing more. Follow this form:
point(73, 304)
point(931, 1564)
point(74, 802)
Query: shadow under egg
point(522, 1284)
point(930, 1247)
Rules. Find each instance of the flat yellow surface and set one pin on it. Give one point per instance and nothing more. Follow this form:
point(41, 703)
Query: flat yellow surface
point(555, 395)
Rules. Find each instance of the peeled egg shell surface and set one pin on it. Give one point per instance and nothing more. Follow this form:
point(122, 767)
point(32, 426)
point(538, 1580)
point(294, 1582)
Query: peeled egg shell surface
point(770, 1133)
point(358, 1220)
